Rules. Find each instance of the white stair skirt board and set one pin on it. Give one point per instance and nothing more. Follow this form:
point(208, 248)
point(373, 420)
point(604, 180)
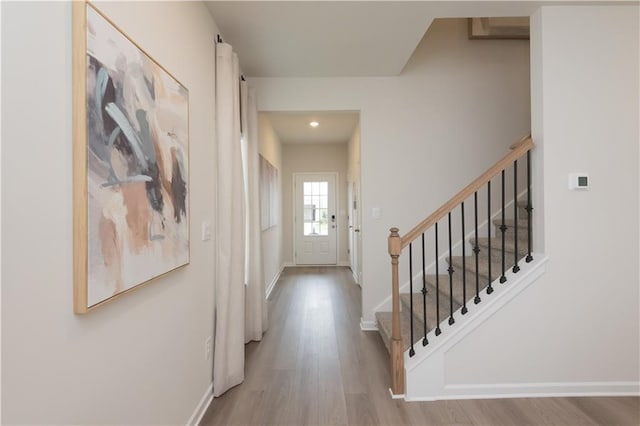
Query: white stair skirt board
point(456, 249)
point(202, 407)
point(429, 361)
point(368, 325)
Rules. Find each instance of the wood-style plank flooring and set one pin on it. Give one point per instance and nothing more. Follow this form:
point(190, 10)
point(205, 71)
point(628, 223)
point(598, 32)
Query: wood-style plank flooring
point(315, 366)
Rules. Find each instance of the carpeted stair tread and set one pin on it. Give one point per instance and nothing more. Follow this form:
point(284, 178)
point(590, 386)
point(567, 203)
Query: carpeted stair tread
point(457, 286)
point(496, 246)
point(510, 223)
point(483, 268)
point(418, 310)
point(384, 320)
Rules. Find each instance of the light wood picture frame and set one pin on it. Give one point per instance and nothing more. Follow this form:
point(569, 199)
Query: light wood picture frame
point(131, 163)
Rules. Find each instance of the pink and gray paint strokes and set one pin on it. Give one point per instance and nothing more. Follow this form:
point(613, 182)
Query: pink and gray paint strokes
point(137, 159)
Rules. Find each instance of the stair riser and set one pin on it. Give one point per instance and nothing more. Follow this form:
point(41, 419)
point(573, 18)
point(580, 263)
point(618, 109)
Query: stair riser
point(496, 254)
point(522, 212)
point(510, 234)
point(483, 272)
point(496, 247)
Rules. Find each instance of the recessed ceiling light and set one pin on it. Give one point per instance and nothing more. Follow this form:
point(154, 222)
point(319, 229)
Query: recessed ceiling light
point(314, 124)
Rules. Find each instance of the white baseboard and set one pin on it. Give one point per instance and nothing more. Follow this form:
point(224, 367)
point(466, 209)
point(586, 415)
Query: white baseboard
point(396, 396)
point(202, 407)
point(368, 325)
point(273, 282)
point(293, 265)
point(535, 390)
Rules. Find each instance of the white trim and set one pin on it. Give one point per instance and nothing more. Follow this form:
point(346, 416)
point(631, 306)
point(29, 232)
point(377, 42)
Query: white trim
point(368, 325)
point(344, 263)
point(273, 282)
point(355, 277)
point(202, 407)
point(396, 396)
point(534, 390)
point(293, 265)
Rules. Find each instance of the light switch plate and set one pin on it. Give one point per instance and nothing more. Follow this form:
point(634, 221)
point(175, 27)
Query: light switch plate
point(206, 231)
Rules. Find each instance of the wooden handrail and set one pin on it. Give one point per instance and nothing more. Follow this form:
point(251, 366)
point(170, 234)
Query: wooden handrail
point(520, 142)
point(522, 147)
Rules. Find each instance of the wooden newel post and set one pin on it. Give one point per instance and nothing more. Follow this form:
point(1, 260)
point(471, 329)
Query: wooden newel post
point(397, 352)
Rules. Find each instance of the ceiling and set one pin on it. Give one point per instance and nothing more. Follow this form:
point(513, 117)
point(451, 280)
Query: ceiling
point(293, 127)
point(321, 38)
point(341, 38)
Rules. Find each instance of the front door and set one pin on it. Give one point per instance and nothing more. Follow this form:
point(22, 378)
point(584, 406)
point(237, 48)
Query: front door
point(315, 219)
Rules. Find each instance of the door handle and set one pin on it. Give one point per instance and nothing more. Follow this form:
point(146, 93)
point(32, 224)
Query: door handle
point(356, 230)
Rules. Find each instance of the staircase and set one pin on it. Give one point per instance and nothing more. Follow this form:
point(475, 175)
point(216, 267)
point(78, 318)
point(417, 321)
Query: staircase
point(383, 319)
point(458, 280)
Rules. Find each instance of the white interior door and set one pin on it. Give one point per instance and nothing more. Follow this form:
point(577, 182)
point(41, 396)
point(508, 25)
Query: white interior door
point(315, 219)
point(354, 230)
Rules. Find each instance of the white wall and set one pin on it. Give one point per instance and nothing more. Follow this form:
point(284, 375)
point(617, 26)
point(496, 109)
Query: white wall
point(303, 158)
point(139, 359)
point(575, 330)
point(271, 149)
point(453, 111)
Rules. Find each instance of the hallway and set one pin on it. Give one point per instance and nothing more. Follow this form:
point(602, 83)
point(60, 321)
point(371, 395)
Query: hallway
point(315, 366)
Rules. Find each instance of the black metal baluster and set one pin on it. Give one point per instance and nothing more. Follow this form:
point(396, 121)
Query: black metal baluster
point(464, 263)
point(529, 208)
point(503, 228)
point(450, 270)
point(476, 249)
point(438, 331)
point(489, 287)
point(424, 297)
point(411, 351)
point(516, 268)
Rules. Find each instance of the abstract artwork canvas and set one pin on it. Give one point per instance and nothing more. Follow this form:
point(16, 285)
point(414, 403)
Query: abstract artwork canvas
point(131, 163)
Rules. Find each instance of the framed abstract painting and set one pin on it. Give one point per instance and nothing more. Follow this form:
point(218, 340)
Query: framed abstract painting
point(131, 163)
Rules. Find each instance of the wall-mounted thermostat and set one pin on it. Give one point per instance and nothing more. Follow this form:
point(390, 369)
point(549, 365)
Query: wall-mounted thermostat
point(578, 181)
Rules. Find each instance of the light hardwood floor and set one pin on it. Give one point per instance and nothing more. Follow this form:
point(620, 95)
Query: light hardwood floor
point(315, 366)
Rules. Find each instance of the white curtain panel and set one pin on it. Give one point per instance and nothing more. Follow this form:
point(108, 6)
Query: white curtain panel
point(255, 300)
point(228, 359)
